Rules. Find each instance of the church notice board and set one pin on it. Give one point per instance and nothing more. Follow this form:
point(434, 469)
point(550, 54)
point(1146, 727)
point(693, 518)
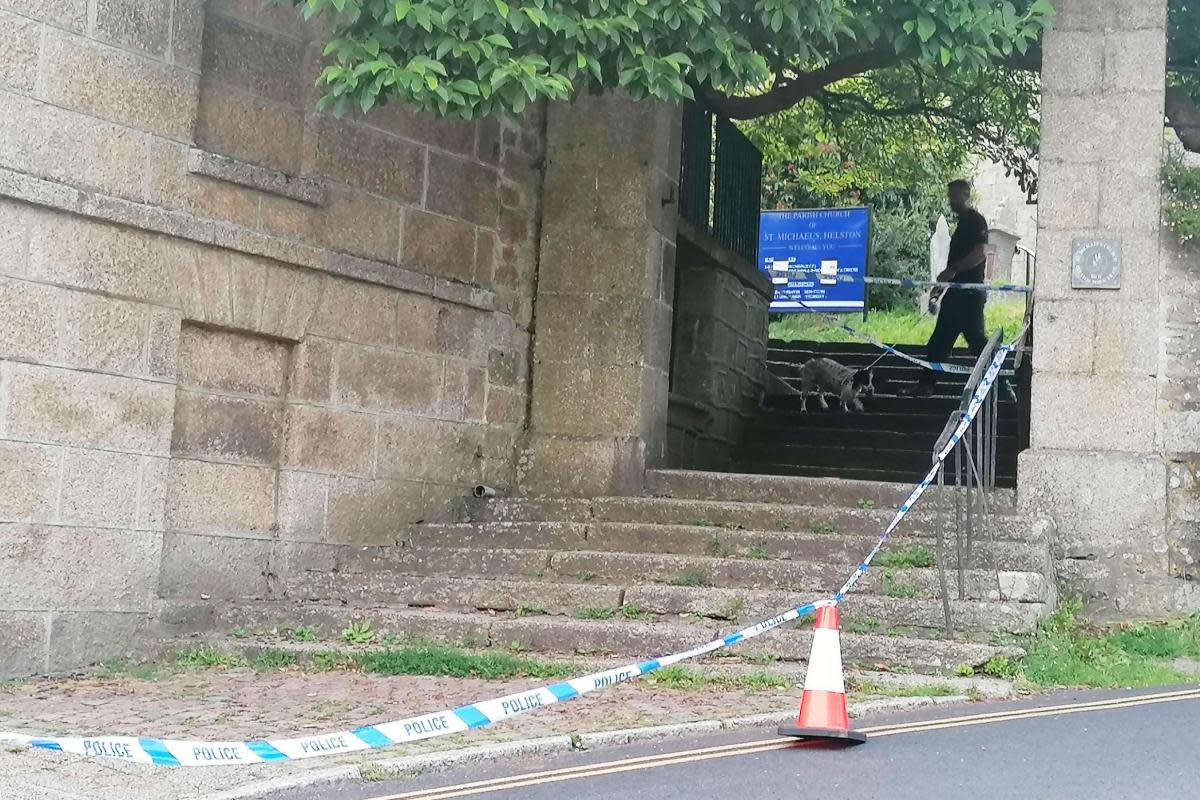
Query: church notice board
point(816, 258)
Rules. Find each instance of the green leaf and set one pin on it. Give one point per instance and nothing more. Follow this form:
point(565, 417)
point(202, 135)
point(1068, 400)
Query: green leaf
point(401, 9)
point(502, 7)
point(926, 27)
point(947, 56)
point(498, 39)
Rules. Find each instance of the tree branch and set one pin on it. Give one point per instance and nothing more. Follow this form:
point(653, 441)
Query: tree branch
point(1184, 117)
point(786, 94)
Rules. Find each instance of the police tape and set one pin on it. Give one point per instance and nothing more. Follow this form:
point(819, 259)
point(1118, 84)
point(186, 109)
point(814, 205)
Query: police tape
point(910, 283)
point(191, 753)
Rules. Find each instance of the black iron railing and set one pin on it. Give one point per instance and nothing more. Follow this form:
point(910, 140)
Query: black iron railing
point(720, 180)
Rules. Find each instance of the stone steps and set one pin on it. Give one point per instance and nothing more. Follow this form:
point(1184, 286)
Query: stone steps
point(627, 638)
point(923, 519)
point(800, 545)
point(864, 612)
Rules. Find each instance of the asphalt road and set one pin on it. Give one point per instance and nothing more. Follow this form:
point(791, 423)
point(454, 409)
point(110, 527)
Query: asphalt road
point(1094, 745)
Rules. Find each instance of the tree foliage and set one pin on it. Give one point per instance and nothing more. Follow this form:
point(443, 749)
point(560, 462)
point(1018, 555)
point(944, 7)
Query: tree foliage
point(476, 57)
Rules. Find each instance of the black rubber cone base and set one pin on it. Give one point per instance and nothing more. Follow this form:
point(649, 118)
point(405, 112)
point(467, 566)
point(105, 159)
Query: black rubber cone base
point(847, 738)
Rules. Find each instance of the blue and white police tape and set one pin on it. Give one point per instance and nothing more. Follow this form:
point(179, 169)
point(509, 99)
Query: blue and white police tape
point(910, 283)
point(192, 753)
point(936, 366)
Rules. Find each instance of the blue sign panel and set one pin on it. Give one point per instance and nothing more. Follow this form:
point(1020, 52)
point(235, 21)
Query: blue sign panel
point(816, 258)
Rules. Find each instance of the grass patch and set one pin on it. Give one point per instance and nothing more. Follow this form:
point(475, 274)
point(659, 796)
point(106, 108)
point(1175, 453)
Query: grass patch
point(718, 549)
point(930, 690)
point(757, 553)
point(359, 632)
point(329, 660)
point(455, 663)
point(634, 611)
point(895, 588)
point(585, 575)
point(1064, 652)
point(145, 671)
point(593, 613)
point(303, 633)
point(270, 660)
point(866, 504)
point(529, 611)
point(915, 557)
point(868, 625)
point(692, 579)
point(682, 679)
point(206, 656)
point(823, 527)
point(893, 327)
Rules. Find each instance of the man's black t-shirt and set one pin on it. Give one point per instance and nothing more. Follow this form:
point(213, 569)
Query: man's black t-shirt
point(972, 230)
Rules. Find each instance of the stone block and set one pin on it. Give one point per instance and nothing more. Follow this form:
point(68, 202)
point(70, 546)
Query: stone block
point(1088, 129)
point(187, 34)
point(118, 86)
point(438, 245)
point(1073, 62)
point(122, 262)
point(27, 326)
point(70, 14)
point(162, 349)
point(1130, 195)
point(69, 147)
point(594, 329)
point(170, 184)
point(429, 449)
point(152, 494)
point(351, 311)
point(312, 367)
point(1101, 15)
point(29, 474)
point(582, 467)
point(143, 25)
point(283, 19)
point(463, 189)
point(302, 505)
point(329, 441)
point(416, 323)
point(1126, 340)
point(104, 334)
point(602, 400)
point(1065, 331)
point(19, 48)
point(227, 428)
point(1072, 195)
point(54, 405)
point(486, 257)
point(1179, 433)
point(86, 638)
point(1139, 272)
point(1103, 502)
point(401, 119)
point(231, 123)
point(256, 61)
point(463, 333)
point(373, 511)
point(368, 160)
point(55, 567)
point(26, 635)
point(475, 401)
point(232, 362)
point(505, 406)
point(222, 567)
point(597, 261)
point(1084, 412)
point(387, 380)
point(1135, 61)
point(203, 496)
point(362, 225)
point(16, 220)
point(99, 488)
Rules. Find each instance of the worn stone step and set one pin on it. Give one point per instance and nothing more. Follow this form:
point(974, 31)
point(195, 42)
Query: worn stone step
point(631, 568)
point(862, 611)
point(698, 485)
point(870, 520)
point(716, 541)
point(628, 638)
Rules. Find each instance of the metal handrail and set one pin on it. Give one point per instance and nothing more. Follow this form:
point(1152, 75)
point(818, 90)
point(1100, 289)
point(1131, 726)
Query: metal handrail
point(974, 470)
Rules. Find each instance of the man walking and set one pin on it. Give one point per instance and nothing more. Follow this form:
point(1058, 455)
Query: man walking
point(961, 310)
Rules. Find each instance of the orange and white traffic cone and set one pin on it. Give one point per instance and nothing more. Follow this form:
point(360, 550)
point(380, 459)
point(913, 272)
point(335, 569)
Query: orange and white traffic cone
point(823, 704)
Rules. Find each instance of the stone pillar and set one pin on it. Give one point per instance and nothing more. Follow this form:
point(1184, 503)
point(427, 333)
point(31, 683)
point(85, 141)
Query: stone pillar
point(1094, 463)
point(602, 310)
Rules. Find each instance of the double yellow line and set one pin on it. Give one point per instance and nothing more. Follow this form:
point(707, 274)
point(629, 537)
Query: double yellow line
point(764, 745)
